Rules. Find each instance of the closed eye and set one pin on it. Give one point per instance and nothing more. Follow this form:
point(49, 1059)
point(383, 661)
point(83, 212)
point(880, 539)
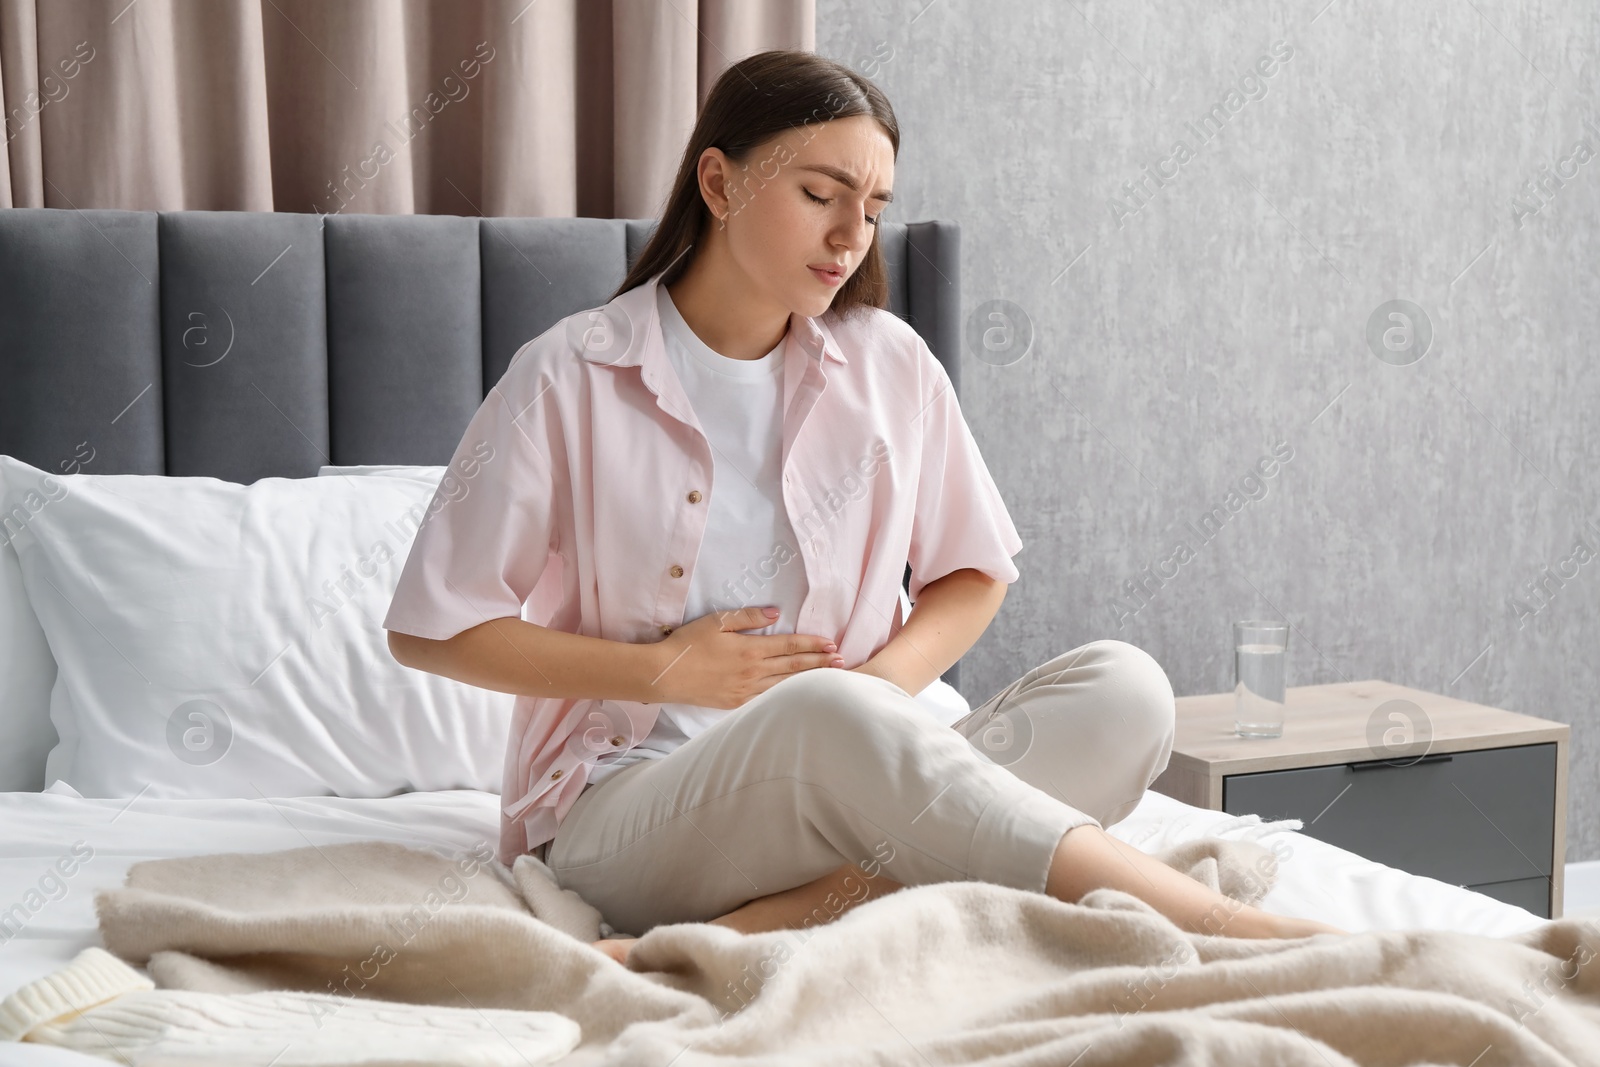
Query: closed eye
point(871, 220)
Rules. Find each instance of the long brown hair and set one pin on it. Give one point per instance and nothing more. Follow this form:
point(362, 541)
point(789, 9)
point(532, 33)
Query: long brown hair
point(755, 100)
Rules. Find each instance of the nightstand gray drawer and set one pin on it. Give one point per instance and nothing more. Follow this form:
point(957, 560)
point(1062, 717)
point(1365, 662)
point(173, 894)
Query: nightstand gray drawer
point(1468, 818)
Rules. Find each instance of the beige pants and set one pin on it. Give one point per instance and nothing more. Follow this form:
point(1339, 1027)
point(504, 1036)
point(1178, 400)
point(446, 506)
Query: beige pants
point(830, 767)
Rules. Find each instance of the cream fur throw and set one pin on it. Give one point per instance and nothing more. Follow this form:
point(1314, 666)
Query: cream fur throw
point(951, 973)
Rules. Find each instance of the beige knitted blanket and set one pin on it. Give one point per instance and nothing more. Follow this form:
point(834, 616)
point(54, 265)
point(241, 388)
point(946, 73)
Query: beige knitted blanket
point(952, 973)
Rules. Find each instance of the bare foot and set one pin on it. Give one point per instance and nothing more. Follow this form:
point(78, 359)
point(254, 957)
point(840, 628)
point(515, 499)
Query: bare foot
point(1291, 928)
point(616, 947)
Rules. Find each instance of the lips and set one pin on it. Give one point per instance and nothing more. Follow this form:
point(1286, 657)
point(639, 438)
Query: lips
point(828, 273)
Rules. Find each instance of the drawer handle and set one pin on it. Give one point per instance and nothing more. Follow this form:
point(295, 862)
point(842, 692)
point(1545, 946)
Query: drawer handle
point(1372, 765)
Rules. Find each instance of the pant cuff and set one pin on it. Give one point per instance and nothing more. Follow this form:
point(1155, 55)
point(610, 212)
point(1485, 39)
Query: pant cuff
point(1017, 835)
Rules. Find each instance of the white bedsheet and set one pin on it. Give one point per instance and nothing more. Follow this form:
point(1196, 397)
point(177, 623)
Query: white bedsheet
point(1316, 880)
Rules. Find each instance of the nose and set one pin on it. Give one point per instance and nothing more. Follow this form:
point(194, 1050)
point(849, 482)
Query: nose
point(855, 240)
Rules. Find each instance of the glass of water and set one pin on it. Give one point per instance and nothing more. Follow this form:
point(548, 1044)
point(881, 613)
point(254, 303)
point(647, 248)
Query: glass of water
point(1260, 655)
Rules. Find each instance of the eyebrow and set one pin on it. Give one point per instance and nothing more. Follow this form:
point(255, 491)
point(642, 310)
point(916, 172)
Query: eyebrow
point(843, 178)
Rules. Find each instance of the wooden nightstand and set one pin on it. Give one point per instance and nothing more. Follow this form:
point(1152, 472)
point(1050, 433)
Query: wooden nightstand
point(1464, 793)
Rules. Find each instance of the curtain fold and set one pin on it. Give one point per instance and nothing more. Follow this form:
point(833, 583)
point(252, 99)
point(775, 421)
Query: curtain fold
point(460, 107)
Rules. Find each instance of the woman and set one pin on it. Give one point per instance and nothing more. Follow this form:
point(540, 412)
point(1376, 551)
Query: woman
point(743, 427)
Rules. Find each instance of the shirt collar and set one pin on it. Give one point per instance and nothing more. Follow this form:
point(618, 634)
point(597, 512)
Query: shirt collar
point(634, 312)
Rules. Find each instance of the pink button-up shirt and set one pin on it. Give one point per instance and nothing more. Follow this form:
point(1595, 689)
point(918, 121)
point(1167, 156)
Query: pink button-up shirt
point(577, 499)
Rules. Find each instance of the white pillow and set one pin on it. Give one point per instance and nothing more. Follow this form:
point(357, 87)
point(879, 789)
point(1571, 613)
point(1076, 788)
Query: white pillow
point(944, 702)
point(224, 640)
point(403, 469)
point(27, 671)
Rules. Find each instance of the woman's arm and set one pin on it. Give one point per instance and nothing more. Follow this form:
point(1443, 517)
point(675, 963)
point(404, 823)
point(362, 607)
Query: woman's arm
point(951, 614)
point(512, 655)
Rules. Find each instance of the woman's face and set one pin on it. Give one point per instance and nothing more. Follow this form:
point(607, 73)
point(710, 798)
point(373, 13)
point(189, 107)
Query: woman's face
point(806, 199)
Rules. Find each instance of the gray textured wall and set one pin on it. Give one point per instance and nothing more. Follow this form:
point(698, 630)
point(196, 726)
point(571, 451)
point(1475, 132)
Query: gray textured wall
point(1439, 152)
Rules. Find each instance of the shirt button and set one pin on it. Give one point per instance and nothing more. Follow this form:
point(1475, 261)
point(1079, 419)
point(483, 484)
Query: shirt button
point(556, 773)
point(617, 740)
point(677, 571)
point(694, 496)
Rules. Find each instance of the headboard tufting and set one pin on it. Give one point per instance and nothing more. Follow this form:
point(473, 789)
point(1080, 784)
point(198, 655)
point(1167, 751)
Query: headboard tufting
point(241, 345)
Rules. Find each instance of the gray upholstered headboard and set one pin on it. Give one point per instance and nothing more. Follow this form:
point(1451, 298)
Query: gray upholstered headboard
point(242, 345)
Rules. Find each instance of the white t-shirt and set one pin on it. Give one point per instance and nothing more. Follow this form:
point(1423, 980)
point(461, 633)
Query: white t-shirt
point(739, 405)
point(749, 556)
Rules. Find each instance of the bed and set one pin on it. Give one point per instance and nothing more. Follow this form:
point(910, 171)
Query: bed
point(1317, 880)
point(237, 346)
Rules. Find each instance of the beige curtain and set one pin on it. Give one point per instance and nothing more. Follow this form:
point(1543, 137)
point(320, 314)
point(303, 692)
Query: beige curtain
point(458, 107)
